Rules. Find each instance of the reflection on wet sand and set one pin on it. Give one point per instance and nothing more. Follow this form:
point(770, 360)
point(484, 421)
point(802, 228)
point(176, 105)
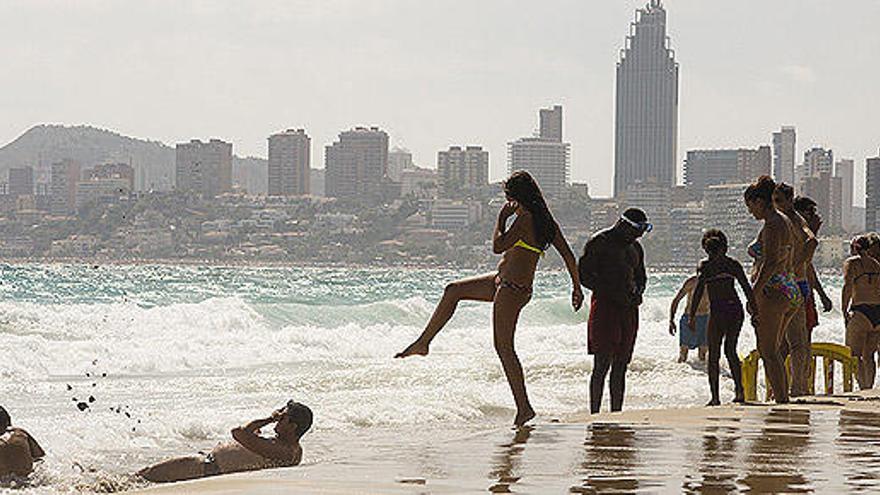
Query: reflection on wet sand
point(507, 461)
point(716, 468)
point(616, 458)
point(777, 454)
point(858, 445)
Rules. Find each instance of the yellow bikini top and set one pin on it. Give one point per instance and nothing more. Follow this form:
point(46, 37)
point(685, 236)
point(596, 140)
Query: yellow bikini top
point(521, 243)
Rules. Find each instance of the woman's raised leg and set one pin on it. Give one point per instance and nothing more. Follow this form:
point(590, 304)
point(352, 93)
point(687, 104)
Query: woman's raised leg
point(505, 313)
point(480, 288)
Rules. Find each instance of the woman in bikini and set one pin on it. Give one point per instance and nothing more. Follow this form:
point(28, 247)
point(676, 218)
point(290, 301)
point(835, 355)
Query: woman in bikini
point(510, 287)
point(777, 295)
point(861, 288)
point(716, 275)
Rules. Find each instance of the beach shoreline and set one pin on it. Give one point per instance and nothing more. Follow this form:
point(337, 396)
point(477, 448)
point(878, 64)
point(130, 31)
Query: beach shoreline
point(733, 441)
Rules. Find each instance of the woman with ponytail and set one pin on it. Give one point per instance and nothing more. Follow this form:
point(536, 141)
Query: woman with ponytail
point(509, 288)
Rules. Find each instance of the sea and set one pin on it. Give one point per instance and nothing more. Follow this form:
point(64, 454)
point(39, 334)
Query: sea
point(111, 368)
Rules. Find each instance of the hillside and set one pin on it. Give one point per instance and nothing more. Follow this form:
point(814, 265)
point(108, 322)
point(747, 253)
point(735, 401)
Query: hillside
point(44, 144)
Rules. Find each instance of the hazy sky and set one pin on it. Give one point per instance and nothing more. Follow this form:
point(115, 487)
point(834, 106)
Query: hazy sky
point(437, 73)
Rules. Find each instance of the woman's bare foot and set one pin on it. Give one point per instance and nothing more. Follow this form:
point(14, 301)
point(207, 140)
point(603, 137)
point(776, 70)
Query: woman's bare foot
point(417, 348)
point(523, 417)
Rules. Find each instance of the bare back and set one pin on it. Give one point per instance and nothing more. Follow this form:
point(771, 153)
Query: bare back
point(862, 275)
point(232, 457)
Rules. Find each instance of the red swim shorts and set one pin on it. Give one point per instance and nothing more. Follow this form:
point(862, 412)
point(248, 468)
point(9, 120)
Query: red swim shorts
point(612, 328)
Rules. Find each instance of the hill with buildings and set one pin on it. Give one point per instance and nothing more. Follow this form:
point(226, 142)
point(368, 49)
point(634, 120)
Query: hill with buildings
point(44, 144)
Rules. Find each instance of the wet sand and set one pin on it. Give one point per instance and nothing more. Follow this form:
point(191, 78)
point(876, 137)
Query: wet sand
point(827, 444)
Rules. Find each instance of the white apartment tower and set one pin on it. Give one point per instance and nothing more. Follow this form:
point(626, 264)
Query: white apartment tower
point(204, 168)
point(545, 158)
point(357, 163)
point(289, 170)
point(461, 169)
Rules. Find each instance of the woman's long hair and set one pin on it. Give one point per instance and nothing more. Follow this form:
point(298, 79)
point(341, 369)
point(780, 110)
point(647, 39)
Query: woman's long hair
point(523, 189)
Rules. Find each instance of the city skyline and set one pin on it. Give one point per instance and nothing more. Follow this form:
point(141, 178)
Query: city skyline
point(797, 83)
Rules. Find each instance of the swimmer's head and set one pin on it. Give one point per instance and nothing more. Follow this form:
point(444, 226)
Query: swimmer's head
point(5, 420)
point(296, 421)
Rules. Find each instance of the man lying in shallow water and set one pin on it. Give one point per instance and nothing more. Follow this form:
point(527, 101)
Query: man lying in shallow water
point(249, 452)
point(18, 449)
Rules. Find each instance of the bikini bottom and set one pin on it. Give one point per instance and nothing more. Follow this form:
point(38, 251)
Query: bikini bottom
point(506, 284)
point(785, 284)
point(871, 312)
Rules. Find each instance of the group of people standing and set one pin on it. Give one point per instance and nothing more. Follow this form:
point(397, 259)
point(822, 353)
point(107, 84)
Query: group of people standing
point(779, 293)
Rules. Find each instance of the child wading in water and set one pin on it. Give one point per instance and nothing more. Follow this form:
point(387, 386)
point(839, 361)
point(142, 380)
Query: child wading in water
point(716, 275)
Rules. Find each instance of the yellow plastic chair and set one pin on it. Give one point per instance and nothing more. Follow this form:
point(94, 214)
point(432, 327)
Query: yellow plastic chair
point(829, 352)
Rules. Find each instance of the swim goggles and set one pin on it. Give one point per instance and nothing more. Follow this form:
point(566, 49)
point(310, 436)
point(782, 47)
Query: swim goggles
point(640, 226)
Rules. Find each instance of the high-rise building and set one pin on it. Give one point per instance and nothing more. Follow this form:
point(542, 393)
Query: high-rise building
point(204, 168)
point(646, 109)
point(21, 181)
point(655, 199)
point(461, 169)
point(356, 164)
point(818, 160)
point(784, 149)
point(545, 158)
point(726, 210)
point(687, 222)
point(872, 194)
point(703, 168)
point(399, 159)
point(63, 179)
point(827, 192)
point(551, 123)
point(289, 163)
point(845, 169)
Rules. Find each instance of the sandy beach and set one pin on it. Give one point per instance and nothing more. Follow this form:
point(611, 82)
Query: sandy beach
point(819, 444)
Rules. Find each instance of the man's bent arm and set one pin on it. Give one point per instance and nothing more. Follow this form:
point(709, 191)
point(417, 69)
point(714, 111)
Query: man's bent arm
point(248, 438)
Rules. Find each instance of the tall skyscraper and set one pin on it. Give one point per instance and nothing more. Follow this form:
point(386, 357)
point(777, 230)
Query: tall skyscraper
point(845, 169)
point(646, 110)
point(704, 168)
point(551, 123)
point(784, 150)
point(545, 158)
point(872, 194)
point(63, 179)
point(289, 163)
point(204, 168)
point(21, 181)
point(356, 164)
point(460, 169)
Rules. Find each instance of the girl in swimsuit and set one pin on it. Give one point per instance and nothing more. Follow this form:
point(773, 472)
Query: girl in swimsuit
point(777, 296)
point(717, 274)
point(861, 288)
point(510, 287)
